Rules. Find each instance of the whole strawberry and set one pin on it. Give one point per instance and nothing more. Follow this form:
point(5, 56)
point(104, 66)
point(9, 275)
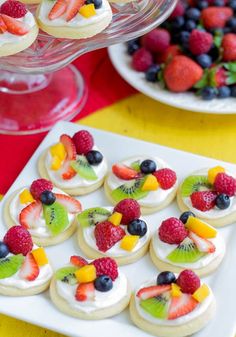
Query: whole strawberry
point(172, 231)
point(218, 76)
point(200, 42)
point(216, 17)
point(156, 41)
point(229, 47)
point(106, 235)
point(168, 54)
point(18, 240)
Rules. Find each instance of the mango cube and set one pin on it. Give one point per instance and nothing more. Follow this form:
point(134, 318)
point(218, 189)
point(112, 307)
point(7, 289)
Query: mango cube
point(86, 274)
point(200, 228)
point(56, 163)
point(201, 293)
point(40, 256)
point(175, 290)
point(58, 150)
point(115, 218)
point(150, 183)
point(212, 173)
point(129, 242)
point(25, 197)
point(87, 11)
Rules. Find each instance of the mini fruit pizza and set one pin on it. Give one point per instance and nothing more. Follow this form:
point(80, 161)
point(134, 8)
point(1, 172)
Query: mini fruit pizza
point(47, 212)
point(74, 164)
point(210, 195)
point(18, 28)
point(173, 305)
point(74, 19)
point(24, 267)
point(90, 290)
point(187, 242)
point(117, 232)
point(144, 178)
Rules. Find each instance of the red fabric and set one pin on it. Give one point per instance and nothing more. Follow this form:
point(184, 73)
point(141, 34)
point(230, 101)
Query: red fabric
point(105, 88)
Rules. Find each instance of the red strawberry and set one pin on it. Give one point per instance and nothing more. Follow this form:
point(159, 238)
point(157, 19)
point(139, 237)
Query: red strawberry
point(229, 47)
point(203, 200)
point(152, 291)
point(58, 9)
point(218, 77)
point(200, 42)
point(181, 306)
point(142, 59)
point(178, 11)
point(225, 184)
point(168, 54)
point(38, 186)
point(73, 8)
point(30, 269)
point(188, 281)
point(106, 235)
point(29, 216)
point(78, 261)
point(182, 73)
point(3, 26)
point(14, 9)
point(18, 240)
point(67, 170)
point(130, 210)
point(85, 291)
point(216, 17)
point(203, 245)
point(71, 204)
point(156, 41)
point(165, 177)
point(172, 231)
point(124, 172)
point(14, 26)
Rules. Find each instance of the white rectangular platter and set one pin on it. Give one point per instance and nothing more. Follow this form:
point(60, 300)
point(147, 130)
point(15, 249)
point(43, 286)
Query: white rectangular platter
point(40, 311)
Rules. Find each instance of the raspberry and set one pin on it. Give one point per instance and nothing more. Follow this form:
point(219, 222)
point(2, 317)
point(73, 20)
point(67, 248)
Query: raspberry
point(39, 186)
point(106, 266)
point(172, 231)
point(130, 210)
point(188, 281)
point(200, 42)
point(157, 40)
point(178, 11)
point(166, 178)
point(203, 200)
point(14, 9)
point(142, 60)
point(106, 235)
point(18, 240)
point(225, 184)
point(83, 141)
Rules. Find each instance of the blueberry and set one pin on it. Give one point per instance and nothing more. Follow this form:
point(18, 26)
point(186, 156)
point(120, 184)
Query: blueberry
point(201, 4)
point(148, 166)
point(233, 91)
point(231, 23)
point(184, 216)
point(193, 14)
point(214, 53)
point(219, 3)
point(137, 227)
point(94, 157)
point(178, 22)
point(4, 251)
point(208, 93)
point(222, 201)
point(204, 60)
point(184, 38)
point(133, 46)
point(152, 72)
point(47, 197)
point(166, 277)
point(224, 92)
point(227, 30)
point(97, 3)
point(232, 4)
point(190, 25)
point(103, 283)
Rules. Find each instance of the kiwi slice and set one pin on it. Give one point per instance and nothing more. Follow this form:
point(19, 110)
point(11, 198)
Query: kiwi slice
point(10, 265)
point(186, 252)
point(194, 184)
point(67, 275)
point(135, 165)
point(131, 189)
point(92, 216)
point(157, 306)
point(56, 217)
point(83, 168)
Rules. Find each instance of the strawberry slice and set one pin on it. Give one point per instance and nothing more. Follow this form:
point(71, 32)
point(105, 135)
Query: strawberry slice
point(181, 306)
point(124, 172)
point(73, 8)
point(14, 26)
point(78, 261)
point(30, 215)
point(30, 269)
point(58, 9)
point(203, 245)
point(3, 26)
point(72, 205)
point(67, 172)
point(153, 291)
point(85, 291)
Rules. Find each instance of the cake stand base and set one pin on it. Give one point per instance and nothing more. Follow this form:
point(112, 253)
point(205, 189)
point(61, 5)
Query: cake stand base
point(34, 103)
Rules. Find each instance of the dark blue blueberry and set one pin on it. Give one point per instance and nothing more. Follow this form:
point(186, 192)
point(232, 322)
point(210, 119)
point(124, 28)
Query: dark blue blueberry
point(148, 166)
point(137, 227)
point(224, 92)
point(103, 283)
point(208, 93)
point(232, 4)
point(204, 60)
point(4, 251)
point(178, 22)
point(47, 197)
point(193, 14)
point(184, 38)
point(190, 25)
point(231, 23)
point(184, 216)
point(97, 3)
point(233, 91)
point(133, 46)
point(222, 201)
point(94, 157)
point(201, 4)
point(166, 277)
point(151, 74)
point(219, 3)
point(226, 30)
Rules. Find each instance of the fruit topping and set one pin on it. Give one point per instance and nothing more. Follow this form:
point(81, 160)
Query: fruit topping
point(87, 10)
point(56, 218)
point(18, 240)
point(124, 172)
point(203, 245)
point(175, 290)
point(165, 177)
point(115, 218)
point(200, 42)
point(39, 186)
point(188, 281)
point(131, 189)
point(67, 171)
point(85, 292)
point(225, 184)
point(4, 250)
point(201, 228)
point(181, 306)
point(201, 293)
point(83, 141)
point(156, 41)
point(130, 210)
point(106, 235)
point(103, 283)
point(184, 216)
point(135, 165)
point(157, 306)
point(97, 3)
point(194, 184)
point(166, 277)
point(172, 231)
point(186, 252)
point(137, 227)
point(67, 275)
point(13, 8)
point(15, 26)
point(148, 166)
point(142, 59)
point(73, 8)
point(229, 46)
point(78, 261)
point(152, 291)
point(94, 157)
point(25, 196)
point(203, 200)
point(58, 9)
point(10, 265)
point(47, 197)
point(222, 201)
point(150, 183)
point(92, 216)
point(83, 168)
point(212, 173)
point(58, 150)
point(30, 215)
point(40, 256)
point(106, 266)
point(216, 17)
point(3, 27)
point(29, 269)
point(129, 242)
point(86, 274)
point(71, 204)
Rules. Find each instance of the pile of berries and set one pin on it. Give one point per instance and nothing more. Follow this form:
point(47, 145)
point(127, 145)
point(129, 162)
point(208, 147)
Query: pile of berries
point(194, 50)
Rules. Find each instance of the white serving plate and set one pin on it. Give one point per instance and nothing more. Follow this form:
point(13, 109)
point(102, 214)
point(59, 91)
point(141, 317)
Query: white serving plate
point(187, 101)
point(40, 311)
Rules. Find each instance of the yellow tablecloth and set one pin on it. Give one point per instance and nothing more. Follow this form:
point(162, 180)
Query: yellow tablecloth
point(143, 118)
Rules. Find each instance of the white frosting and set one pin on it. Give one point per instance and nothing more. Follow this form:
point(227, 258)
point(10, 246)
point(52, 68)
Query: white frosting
point(76, 181)
point(101, 300)
point(40, 229)
point(199, 310)
point(154, 198)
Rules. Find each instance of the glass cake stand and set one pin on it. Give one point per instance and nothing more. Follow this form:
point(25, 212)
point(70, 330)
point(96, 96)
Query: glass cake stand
point(45, 88)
